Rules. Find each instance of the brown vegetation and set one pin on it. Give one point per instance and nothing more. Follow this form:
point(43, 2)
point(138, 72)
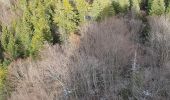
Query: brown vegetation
point(119, 58)
point(95, 70)
point(108, 64)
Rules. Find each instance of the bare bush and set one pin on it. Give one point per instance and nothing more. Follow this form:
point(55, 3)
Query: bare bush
point(41, 80)
point(95, 69)
point(103, 64)
point(102, 61)
point(160, 39)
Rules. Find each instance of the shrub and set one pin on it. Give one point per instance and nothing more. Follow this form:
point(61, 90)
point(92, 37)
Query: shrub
point(159, 39)
point(92, 70)
point(157, 7)
point(100, 67)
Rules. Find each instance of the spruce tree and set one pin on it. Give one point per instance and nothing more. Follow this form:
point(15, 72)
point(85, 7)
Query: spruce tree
point(135, 5)
point(24, 31)
point(36, 20)
point(124, 4)
point(157, 7)
point(12, 46)
point(101, 8)
point(8, 42)
point(168, 7)
point(5, 38)
point(36, 43)
point(83, 8)
point(65, 17)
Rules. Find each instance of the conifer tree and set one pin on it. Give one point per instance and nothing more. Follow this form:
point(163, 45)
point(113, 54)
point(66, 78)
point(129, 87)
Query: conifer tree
point(168, 7)
point(101, 8)
point(83, 8)
point(65, 17)
point(12, 47)
point(157, 7)
point(41, 24)
point(42, 21)
point(9, 43)
point(24, 31)
point(35, 21)
point(36, 43)
point(124, 4)
point(135, 5)
point(149, 3)
point(5, 38)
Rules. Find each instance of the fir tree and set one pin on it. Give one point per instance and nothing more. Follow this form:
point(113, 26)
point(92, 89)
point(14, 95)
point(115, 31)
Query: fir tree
point(24, 31)
point(101, 8)
point(65, 17)
point(135, 5)
point(124, 4)
point(9, 43)
point(157, 7)
point(168, 7)
point(4, 37)
point(83, 8)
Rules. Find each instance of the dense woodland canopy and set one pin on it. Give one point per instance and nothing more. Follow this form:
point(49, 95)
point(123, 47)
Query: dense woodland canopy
point(85, 50)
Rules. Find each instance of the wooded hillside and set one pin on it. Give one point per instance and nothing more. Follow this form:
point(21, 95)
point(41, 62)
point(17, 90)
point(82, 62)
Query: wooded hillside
point(84, 50)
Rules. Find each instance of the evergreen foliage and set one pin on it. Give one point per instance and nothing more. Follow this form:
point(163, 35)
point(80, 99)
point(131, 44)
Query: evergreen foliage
point(157, 7)
point(35, 24)
point(124, 5)
point(38, 17)
point(167, 7)
point(135, 5)
point(121, 6)
point(101, 9)
point(8, 42)
point(65, 17)
point(83, 8)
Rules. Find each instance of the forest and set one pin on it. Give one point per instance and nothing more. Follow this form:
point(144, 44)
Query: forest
point(84, 49)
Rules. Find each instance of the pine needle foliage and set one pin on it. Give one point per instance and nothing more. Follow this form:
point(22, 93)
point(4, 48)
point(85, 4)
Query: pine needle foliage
point(101, 9)
point(65, 17)
point(35, 23)
point(157, 7)
point(135, 5)
point(124, 5)
point(82, 8)
point(167, 7)
point(8, 42)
